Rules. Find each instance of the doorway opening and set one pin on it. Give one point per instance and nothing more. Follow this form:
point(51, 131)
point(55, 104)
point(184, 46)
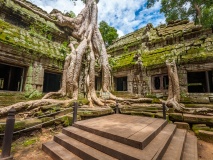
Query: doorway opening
point(52, 82)
point(11, 78)
point(121, 84)
point(98, 82)
point(200, 82)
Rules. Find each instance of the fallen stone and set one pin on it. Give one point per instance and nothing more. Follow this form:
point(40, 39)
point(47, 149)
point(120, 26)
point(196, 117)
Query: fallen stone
point(182, 125)
point(32, 122)
point(206, 135)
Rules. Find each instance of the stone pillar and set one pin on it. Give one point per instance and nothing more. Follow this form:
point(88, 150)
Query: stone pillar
point(129, 82)
point(183, 81)
point(34, 78)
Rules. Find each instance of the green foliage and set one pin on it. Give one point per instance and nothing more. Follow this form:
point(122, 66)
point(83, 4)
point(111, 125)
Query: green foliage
point(40, 29)
point(71, 14)
point(63, 48)
point(186, 9)
point(207, 12)
point(108, 33)
point(67, 121)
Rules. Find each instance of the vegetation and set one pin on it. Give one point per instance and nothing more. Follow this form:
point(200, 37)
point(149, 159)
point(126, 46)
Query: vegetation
point(108, 33)
point(200, 11)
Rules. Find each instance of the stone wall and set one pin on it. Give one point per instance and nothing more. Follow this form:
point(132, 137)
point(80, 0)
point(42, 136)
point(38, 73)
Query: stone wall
point(31, 41)
point(188, 44)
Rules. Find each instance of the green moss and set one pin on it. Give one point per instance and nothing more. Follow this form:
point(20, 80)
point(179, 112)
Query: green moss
point(156, 100)
point(2, 127)
point(157, 58)
point(29, 142)
point(197, 127)
point(125, 60)
point(67, 120)
point(28, 43)
point(83, 101)
point(19, 125)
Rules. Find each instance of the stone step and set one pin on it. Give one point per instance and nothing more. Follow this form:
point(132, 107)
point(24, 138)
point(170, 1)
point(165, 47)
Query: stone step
point(116, 127)
point(174, 151)
point(103, 138)
point(57, 152)
point(81, 150)
point(190, 148)
point(152, 110)
point(122, 151)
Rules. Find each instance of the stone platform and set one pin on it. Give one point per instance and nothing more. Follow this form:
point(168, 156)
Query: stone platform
point(122, 137)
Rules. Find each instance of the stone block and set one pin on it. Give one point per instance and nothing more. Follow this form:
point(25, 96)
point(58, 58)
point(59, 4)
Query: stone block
point(182, 125)
point(200, 99)
point(206, 135)
point(32, 122)
point(175, 117)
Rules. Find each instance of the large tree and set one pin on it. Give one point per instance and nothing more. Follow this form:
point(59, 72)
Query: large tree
point(108, 33)
point(90, 48)
point(183, 9)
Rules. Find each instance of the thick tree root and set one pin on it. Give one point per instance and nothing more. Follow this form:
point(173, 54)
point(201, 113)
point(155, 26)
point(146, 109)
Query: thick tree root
point(30, 105)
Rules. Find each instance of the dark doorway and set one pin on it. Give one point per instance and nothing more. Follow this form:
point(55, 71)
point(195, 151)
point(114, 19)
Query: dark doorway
point(98, 82)
point(11, 78)
point(52, 82)
point(200, 82)
point(121, 83)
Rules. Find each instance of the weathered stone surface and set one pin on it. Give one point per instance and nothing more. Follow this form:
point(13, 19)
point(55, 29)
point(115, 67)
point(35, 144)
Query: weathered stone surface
point(200, 99)
point(32, 122)
point(197, 127)
point(19, 125)
point(206, 135)
point(182, 125)
point(191, 119)
point(86, 112)
point(48, 121)
point(176, 117)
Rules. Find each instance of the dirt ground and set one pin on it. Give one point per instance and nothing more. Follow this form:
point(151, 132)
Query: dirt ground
point(205, 150)
point(29, 147)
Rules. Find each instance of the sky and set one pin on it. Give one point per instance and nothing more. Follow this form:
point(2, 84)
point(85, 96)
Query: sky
point(125, 15)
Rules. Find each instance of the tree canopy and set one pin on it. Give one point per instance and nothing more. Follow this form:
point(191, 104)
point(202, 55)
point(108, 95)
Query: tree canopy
point(108, 33)
point(197, 10)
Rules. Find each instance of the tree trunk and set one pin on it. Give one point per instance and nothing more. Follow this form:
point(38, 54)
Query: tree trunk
point(174, 88)
point(173, 100)
point(91, 46)
point(198, 13)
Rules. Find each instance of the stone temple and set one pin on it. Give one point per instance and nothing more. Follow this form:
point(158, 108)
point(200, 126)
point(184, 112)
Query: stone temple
point(33, 49)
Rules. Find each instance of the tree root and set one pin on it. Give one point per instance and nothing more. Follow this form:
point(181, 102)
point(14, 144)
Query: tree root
point(30, 105)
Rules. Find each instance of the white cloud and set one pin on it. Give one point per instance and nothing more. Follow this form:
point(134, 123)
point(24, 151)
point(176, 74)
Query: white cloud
point(120, 33)
point(126, 16)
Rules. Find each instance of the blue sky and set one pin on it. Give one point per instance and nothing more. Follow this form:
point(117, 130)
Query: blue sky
point(125, 15)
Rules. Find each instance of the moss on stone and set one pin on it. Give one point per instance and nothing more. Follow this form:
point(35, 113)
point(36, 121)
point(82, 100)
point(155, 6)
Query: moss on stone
point(205, 135)
point(124, 60)
point(67, 120)
point(176, 117)
point(19, 125)
point(2, 127)
point(23, 41)
point(32, 122)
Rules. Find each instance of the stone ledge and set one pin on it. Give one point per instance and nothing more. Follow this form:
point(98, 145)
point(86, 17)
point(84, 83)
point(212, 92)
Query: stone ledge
point(206, 136)
point(182, 125)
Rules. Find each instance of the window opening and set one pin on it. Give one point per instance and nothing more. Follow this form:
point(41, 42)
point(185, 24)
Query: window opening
point(121, 83)
point(52, 82)
point(11, 78)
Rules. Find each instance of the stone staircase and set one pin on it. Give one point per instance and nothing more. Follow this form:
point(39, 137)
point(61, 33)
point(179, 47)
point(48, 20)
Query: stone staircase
point(122, 137)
